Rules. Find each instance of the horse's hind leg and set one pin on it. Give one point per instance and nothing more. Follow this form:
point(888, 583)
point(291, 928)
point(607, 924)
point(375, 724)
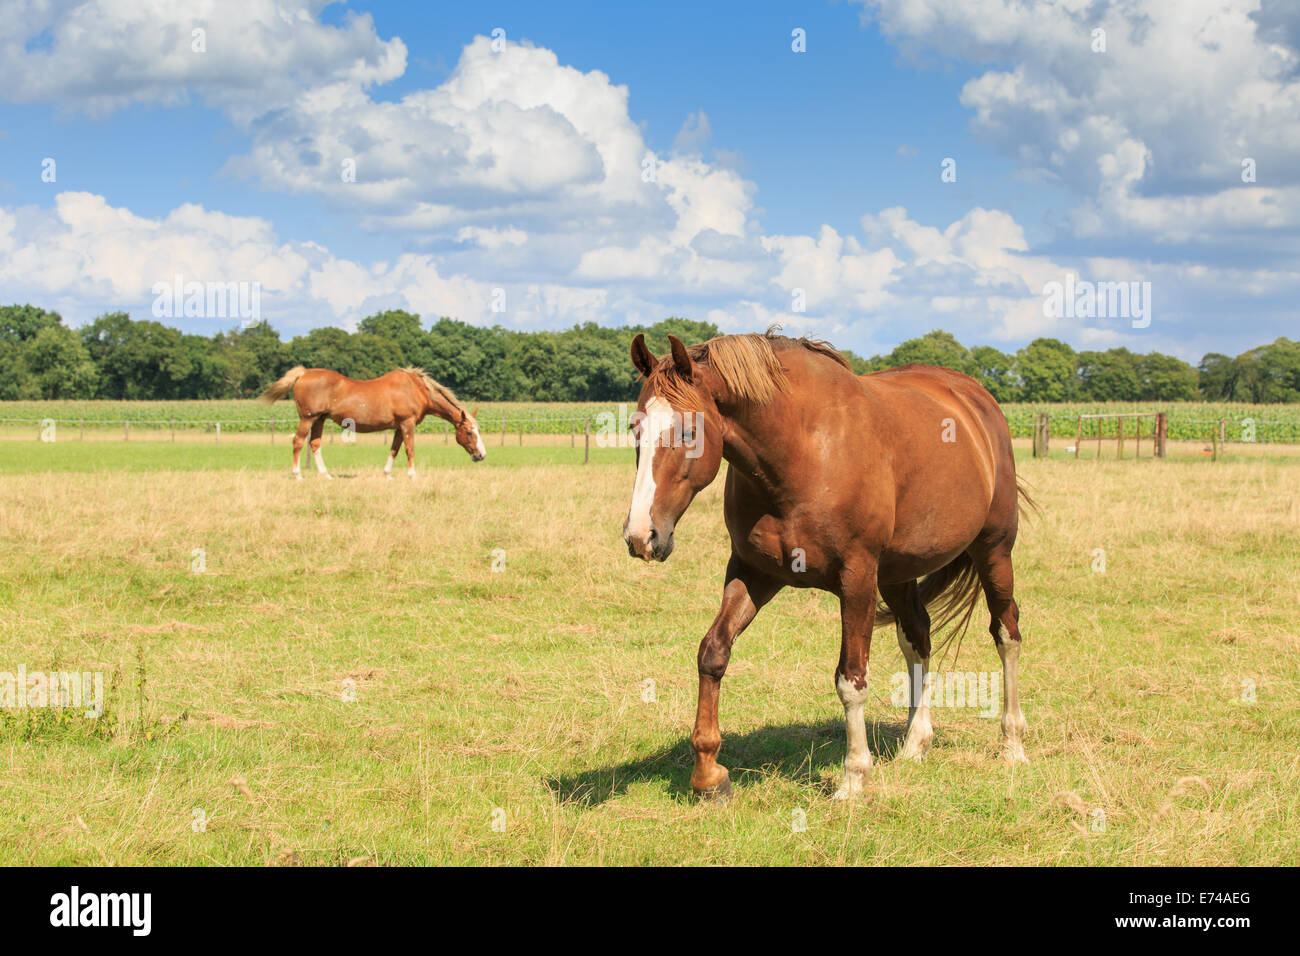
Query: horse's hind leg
point(317, 429)
point(994, 566)
point(912, 625)
point(392, 453)
point(408, 436)
point(300, 439)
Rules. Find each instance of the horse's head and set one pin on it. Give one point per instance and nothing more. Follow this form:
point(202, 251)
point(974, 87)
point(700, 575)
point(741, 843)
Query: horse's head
point(468, 437)
point(678, 437)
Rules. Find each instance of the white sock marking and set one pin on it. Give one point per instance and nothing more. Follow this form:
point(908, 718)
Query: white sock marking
point(1013, 719)
point(858, 760)
point(919, 730)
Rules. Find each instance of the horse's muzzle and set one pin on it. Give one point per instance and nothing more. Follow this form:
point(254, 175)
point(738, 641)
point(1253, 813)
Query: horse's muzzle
point(655, 547)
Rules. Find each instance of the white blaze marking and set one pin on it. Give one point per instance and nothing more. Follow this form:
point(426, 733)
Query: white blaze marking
point(482, 451)
point(658, 417)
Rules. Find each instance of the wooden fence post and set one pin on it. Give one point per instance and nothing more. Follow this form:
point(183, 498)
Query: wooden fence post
point(1042, 431)
point(1119, 438)
point(1162, 429)
point(218, 433)
point(503, 430)
point(1078, 437)
point(586, 455)
point(127, 431)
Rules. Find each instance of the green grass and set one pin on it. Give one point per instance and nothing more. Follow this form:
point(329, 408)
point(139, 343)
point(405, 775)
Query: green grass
point(520, 691)
point(366, 457)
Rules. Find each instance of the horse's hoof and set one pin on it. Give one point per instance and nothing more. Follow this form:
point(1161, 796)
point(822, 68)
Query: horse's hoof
point(853, 785)
point(720, 792)
point(1014, 755)
point(297, 477)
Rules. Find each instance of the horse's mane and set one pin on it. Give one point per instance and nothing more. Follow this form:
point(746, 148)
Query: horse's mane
point(748, 365)
point(436, 388)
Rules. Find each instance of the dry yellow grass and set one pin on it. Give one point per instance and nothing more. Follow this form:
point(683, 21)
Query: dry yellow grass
point(517, 696)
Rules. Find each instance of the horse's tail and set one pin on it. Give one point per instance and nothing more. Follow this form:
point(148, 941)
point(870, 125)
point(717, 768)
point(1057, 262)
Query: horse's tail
point(283, 386)
point(1027, 505)
point(952, 593)
point(949, 595)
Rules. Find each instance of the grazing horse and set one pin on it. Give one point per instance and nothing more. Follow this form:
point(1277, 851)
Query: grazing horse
point(398, 400)
point(898, 484)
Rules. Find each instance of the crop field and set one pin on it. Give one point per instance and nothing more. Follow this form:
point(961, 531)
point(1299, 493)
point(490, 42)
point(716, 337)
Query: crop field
point(468, 668)
point(1188, 421)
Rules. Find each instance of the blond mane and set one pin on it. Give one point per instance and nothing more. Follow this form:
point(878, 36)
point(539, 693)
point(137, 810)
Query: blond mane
point(747, 364)
point(437, 389)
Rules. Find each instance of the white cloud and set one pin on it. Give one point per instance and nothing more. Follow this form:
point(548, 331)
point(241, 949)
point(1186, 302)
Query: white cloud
point(100, 55)
point(1152, 132)
point(528, 175)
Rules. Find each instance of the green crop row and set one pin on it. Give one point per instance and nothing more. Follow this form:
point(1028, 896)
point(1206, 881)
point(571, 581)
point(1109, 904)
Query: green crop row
point(1187, 421)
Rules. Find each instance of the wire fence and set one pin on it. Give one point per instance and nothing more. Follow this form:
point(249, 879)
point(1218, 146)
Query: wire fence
point(498, 430)
point(1243, 429)
point(503, 428)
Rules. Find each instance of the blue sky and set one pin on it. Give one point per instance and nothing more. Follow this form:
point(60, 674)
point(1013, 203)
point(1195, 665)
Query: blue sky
point(793, 187)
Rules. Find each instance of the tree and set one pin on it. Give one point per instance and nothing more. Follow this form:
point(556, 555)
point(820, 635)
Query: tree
point(320, 348)
point(996, 371)
point(403, 329)
point(1164, 378)
point(16, 380)
point(135, 359)
point(1046, 367)
point(19, 323)
point(1108, 376)
point(934, 348)
point(1278, 374)
point(60, 364)
point(1217, 377)
point(117, 357)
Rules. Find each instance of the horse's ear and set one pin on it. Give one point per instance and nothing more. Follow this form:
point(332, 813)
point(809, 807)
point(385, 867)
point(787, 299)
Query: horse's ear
point(680, 357)
point(641, 356)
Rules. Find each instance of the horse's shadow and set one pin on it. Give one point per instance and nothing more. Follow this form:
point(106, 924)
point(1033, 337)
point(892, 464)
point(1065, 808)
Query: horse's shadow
point(797, 752)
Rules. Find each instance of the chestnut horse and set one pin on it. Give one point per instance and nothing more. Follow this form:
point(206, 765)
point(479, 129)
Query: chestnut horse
point(398, 400)
point(898, 484)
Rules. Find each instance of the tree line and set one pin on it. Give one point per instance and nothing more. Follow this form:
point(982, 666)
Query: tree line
point(119, 357)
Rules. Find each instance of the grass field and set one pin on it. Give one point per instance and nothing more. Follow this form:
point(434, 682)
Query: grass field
point(1163, 694)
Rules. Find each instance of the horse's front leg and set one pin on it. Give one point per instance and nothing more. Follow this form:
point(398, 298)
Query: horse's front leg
point(742, 596)
point(857, 616)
